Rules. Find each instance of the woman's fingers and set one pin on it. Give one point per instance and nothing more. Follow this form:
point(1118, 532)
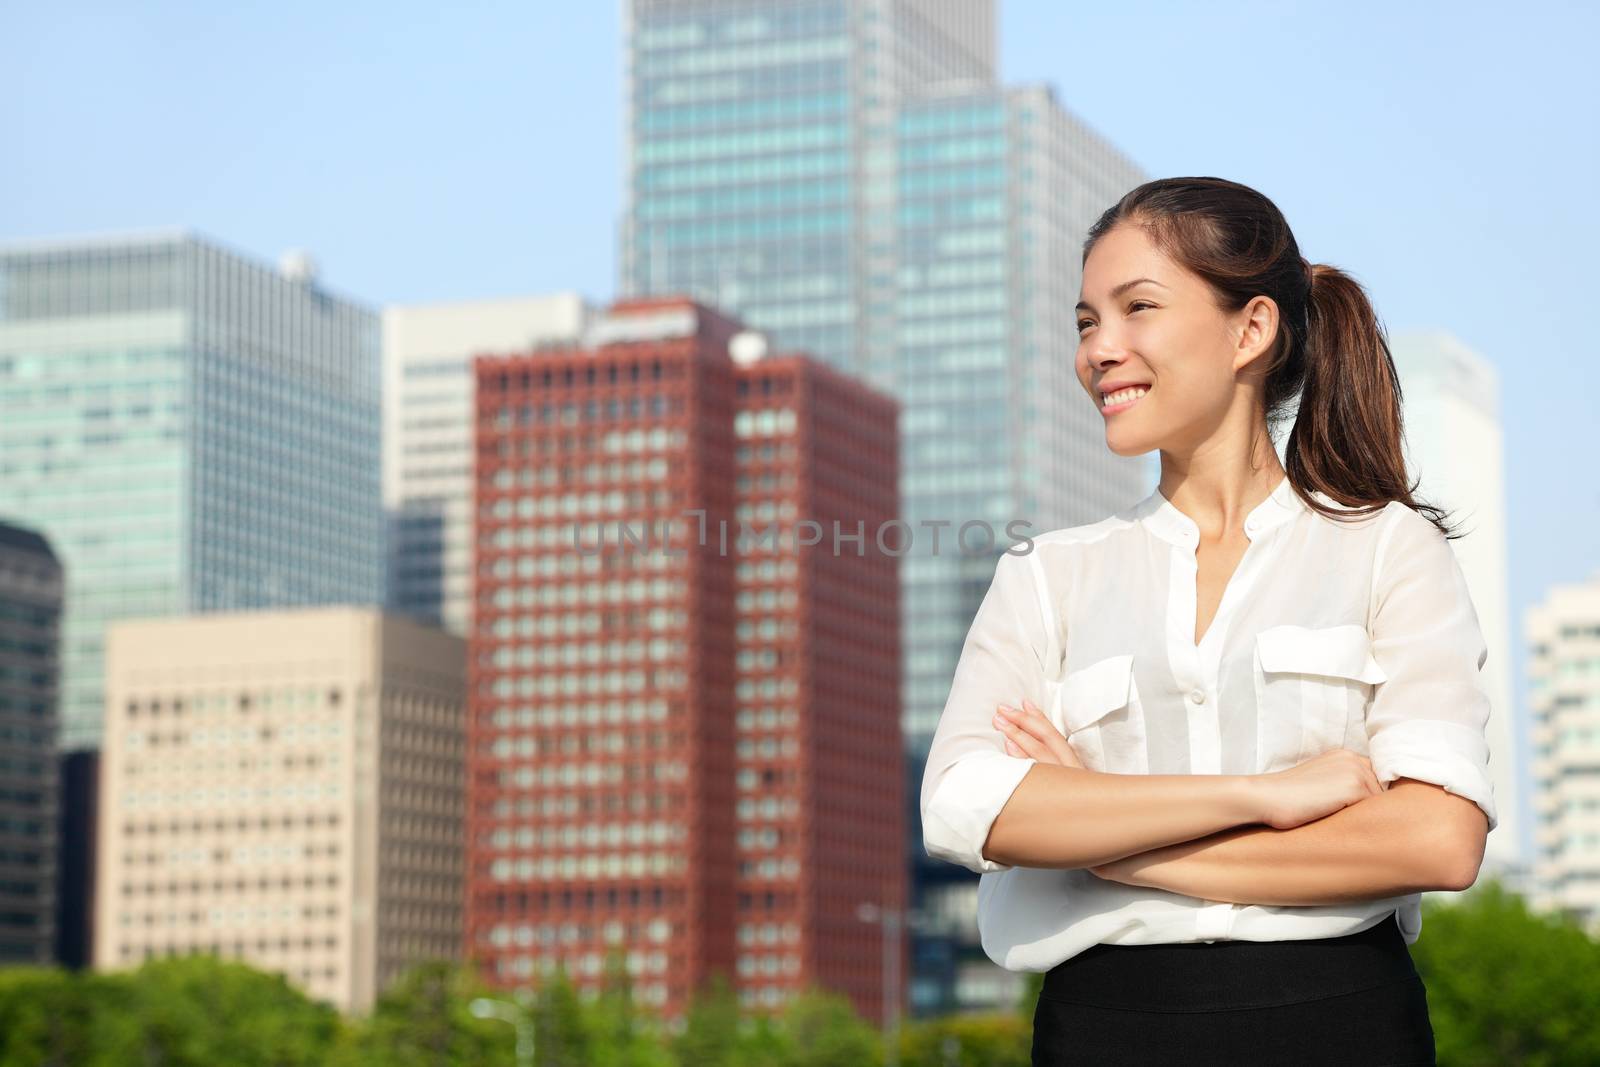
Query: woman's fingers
point(1035, 735)
point(1008, 722)
point(1052, 738)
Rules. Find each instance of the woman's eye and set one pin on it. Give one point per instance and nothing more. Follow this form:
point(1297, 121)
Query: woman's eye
point(1135, 306)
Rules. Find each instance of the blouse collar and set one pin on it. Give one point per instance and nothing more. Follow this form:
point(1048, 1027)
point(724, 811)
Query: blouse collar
point(1170, 524)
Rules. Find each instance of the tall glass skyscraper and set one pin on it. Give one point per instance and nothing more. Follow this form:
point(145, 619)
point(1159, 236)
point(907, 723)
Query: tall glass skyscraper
point(847, 176)
point(192, 430)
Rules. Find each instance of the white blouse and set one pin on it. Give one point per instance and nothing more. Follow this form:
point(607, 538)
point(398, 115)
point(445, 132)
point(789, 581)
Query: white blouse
point(1357, 633)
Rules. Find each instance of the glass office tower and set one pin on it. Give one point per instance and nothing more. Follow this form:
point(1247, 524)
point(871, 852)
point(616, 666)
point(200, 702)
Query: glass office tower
point(759, 139)
point(192, 430)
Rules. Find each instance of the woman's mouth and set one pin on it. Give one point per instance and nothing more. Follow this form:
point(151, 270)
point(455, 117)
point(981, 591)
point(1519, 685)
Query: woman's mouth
point(1123, 400)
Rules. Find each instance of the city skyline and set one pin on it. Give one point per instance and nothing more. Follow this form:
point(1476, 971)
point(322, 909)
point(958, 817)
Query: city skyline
point(1382, 144)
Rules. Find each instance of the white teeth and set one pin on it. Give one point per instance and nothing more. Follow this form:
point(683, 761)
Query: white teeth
point(1123, 396)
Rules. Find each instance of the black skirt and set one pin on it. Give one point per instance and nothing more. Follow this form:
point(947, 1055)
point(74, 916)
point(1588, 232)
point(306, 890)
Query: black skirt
point(1350, 1001)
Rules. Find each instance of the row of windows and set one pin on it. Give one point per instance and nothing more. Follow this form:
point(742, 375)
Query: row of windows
point(224, 736)
point(238, 885)
point(215, 703)
point(568, 377)
point(133, 799)
point(748, 691)
point(190, 766)
point(581, 714)
point(769, 963)
point(944, 120)
point(240, 824)
point(1571, 630)
point(553, 805)
point(774, 196)
point(437, 368)
point(518, 902)
point(736, 231)
point(652, 993)
point(612, 835)
point(619, 592)
point(566, 775)
point(552, 504)
point(674, 30)
point(613, 931)
point(769, 748)
point(241, 855)
point(633, 408)
point(773, 869)
point(751, 809)
point(659, 650)
point(612, 473)
point(830, 45)
point(571, 684)
point(572, 624)
point(771, 996)
point(589, 742)
point(612, 865)
point(769, 933)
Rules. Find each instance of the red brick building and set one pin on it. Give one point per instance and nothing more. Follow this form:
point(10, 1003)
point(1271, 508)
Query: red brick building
point(683, 745)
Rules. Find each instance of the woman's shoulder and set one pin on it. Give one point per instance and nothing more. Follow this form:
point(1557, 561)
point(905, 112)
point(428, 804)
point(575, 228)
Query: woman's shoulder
point(1365, 518)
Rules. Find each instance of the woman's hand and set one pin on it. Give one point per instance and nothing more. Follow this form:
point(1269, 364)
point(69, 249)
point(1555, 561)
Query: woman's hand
point(1030, 734)
point(1319, 786)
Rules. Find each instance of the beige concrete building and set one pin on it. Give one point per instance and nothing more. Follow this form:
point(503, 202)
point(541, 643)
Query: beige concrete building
point(283, 787)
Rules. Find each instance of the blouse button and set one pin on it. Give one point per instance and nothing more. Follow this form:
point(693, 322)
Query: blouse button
point(1198, 696)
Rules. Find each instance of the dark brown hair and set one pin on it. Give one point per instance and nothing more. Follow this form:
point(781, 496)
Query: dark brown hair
point(1332, 351)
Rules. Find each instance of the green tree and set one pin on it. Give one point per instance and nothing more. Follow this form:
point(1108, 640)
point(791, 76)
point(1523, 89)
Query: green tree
point(561, 1026)
point(825, 1031)
point(46, 1018)
point(711, 1027)
point(623, 1036)
point(198, 1011)
point(990, 1039)
point(1506, 986)
point(423, 1020)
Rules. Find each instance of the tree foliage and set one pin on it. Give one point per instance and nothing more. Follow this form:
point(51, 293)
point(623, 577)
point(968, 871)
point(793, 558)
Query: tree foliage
point(1505, 987)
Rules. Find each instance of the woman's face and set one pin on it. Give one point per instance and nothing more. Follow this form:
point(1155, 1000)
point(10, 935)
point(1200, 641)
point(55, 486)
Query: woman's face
point(1167, 335)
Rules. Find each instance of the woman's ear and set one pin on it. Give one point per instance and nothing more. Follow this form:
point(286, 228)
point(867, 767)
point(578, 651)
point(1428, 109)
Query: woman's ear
point(1258, 331)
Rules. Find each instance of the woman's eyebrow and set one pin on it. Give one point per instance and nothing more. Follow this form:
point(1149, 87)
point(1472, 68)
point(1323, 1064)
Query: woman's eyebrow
point(1118, 291)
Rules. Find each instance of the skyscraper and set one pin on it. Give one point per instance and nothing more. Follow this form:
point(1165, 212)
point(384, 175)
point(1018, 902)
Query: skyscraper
point(30, 634)
point(685, 740)
point(192, 430)
point(1563, 634)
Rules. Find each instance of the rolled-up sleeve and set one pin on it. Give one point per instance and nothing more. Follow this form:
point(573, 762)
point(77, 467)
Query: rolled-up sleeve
point(1427, 720)
point(969, 776)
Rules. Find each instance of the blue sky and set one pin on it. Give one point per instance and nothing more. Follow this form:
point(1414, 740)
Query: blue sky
point(1444, 153)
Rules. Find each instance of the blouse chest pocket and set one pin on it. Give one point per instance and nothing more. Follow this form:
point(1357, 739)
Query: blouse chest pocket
point(1097, 709)
point(1310, 683)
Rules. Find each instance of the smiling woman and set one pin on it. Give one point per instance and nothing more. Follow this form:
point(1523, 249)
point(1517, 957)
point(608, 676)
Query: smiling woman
point(1243, 722)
